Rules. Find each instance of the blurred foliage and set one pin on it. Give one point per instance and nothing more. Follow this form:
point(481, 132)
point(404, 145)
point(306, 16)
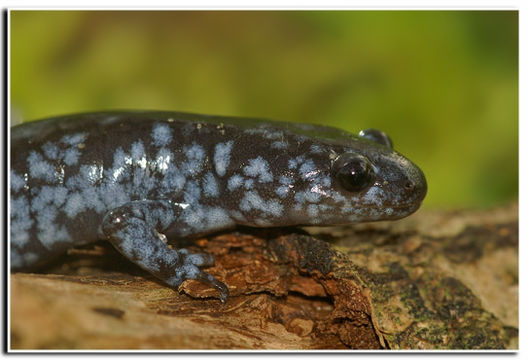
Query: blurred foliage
point(443, 84)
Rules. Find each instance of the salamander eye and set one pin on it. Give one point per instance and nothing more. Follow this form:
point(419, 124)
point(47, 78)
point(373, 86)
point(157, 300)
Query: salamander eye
point(377, 136)
point(354, 172)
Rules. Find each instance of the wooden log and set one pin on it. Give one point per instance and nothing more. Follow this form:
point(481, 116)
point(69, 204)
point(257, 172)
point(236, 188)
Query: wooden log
point(436, 280)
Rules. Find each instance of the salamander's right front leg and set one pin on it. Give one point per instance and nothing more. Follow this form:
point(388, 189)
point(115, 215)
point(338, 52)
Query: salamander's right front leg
point(136, 230)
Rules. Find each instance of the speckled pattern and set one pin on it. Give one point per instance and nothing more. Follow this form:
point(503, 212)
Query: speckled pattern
point(137, 178)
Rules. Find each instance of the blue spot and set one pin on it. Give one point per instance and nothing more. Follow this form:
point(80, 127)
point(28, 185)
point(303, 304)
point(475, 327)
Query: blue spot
point(71, 156)
point(39, 168)
point(50, 150)
point(282, 191)
point(42, 200)
point(252, 200)
point(221, 157)
point(218, 218)
point(192, 193)
point(74, 205)
point(286, 180)
point(274, 135)
point(294, 163)
point(173, 180)
point(194, 216)
point(73, 140)
point(195, 156)
point(60, 194)
point(92, 199)
point(49, 236)
point(161, 134)
point(279, 145)
point(91, 174)
point(163, 159)
point(21, 221)
point(17, 182)
point(316, 149)
point(308, 168)
point(137, 151)
point(235, 182)
point(248, 184)
point(210, 185)
point(258, 167)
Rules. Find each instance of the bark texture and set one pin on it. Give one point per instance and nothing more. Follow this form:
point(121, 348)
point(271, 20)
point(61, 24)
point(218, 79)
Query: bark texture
point(436, 280)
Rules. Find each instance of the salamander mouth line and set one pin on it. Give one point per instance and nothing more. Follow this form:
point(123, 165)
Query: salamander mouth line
point(382, 208)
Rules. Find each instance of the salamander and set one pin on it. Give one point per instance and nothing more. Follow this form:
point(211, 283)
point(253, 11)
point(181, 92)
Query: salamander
point(139, 178)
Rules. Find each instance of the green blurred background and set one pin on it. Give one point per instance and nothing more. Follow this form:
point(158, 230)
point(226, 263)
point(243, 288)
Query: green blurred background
point(442, 84)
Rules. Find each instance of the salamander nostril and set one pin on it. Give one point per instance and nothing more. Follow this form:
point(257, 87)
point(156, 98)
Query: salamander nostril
point(408, 185)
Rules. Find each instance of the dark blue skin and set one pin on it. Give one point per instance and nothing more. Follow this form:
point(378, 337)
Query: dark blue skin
point(138, 178)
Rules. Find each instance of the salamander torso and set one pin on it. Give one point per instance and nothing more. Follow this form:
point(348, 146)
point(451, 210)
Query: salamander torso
point(138, 178)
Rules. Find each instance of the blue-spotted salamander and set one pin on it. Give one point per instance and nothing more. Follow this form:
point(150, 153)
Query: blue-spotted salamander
point(139, 178)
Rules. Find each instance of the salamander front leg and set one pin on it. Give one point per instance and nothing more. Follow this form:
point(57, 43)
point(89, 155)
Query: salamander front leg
point(136, 231)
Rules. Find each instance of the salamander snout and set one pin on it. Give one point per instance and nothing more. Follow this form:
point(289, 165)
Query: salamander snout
point(416, 185)
point(412, 188)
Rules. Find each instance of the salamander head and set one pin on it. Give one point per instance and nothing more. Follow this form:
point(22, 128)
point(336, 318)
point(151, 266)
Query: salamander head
point(354, 180)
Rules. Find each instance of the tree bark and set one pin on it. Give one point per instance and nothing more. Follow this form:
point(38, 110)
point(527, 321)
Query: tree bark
point(436, 280)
